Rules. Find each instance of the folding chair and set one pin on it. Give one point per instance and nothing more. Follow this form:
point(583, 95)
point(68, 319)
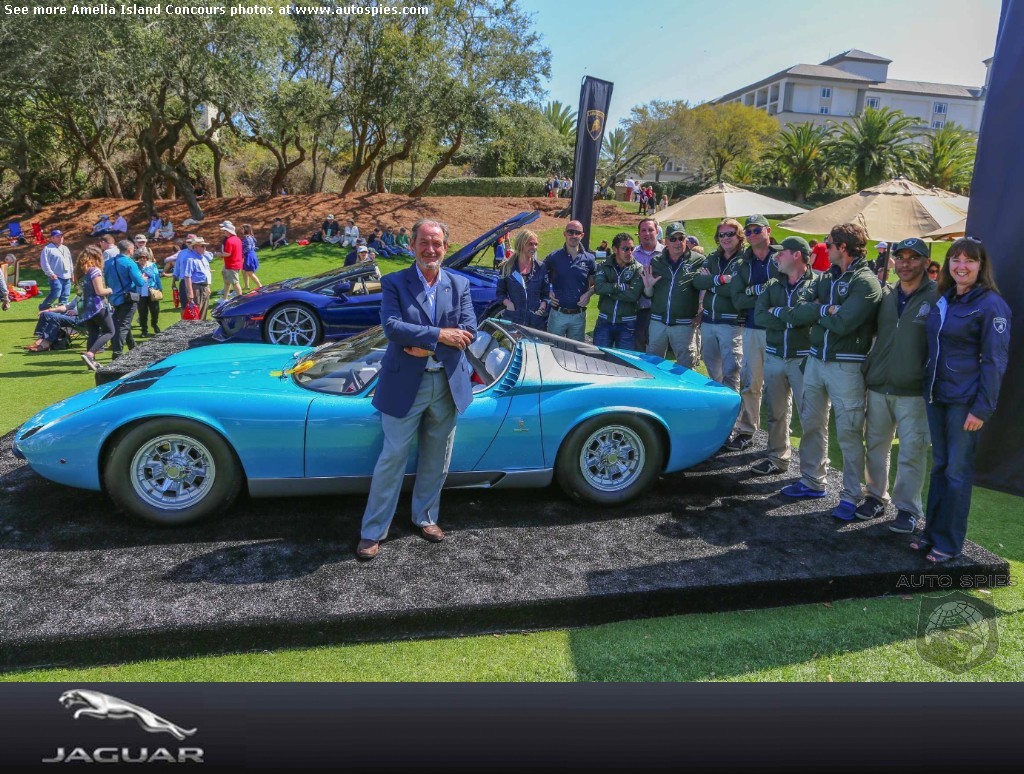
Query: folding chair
point(37, 233)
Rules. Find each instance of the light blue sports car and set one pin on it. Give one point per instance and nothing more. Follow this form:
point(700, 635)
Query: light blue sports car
point(178, 440)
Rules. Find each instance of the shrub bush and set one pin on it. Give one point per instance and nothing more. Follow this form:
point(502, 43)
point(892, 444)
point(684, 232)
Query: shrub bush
point(481, 186)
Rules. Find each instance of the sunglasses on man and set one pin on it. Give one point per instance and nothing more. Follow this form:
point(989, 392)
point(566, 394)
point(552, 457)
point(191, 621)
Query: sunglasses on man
point(677, 239)
point(573, 232)
point(753, 230)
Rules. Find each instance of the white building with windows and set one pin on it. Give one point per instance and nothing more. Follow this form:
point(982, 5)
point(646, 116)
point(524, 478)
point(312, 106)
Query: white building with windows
point(843, 86)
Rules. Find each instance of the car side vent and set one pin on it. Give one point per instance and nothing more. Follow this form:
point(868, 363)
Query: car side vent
point(511, 376)
point(133, 385)
point(608, 366)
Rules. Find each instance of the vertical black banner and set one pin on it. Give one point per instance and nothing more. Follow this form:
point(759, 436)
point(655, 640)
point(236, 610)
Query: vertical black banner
point(595, 96)
point(997, 190)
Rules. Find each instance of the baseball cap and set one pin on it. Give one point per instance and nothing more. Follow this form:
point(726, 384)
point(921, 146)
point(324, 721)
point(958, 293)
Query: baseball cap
point(756, 220)
point(362, 249)
point(794, 243)
point(56, 232)
point(675, 227)
point(330, 217)
point(141, 238)
point(919, 246)
point(882, 246)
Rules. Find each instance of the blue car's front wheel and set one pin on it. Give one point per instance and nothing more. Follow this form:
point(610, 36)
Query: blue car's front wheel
point(610, 459)
point(172, 471)
point(293, 324)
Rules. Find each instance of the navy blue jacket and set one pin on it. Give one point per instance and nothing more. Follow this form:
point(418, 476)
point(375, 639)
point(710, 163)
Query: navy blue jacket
point(570, 278)
point(968, 346)
point(404, 315)
point(526, 295)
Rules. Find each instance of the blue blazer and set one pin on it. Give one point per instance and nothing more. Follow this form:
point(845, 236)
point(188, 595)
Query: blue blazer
point(406, 320)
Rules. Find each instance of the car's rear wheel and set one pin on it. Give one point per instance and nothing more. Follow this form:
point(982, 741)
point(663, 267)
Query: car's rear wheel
point(294, 325)
point(609, 459)
point(172, 471)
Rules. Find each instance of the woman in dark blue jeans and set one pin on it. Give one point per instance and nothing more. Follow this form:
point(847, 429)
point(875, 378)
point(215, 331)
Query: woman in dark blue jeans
point(968, 342)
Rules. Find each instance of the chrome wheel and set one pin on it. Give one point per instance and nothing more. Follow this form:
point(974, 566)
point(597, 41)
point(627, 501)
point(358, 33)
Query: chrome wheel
point(612, 458)
point(173, 472)
point(293, 325)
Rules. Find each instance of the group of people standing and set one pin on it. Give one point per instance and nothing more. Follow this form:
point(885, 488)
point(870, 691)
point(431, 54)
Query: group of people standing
point(921, 358)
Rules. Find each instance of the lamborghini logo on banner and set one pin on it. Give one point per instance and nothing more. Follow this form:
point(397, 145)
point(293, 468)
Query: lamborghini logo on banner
point(595, 124)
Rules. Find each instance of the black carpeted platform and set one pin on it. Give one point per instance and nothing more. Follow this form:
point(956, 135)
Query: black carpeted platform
point(177, 337)
point(281, 572)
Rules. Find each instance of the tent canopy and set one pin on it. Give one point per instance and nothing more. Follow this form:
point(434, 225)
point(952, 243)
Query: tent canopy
point(725, 201)
point(952, 231)
point(892, 211)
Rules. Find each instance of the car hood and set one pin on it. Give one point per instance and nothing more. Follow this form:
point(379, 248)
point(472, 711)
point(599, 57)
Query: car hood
point(462, 257)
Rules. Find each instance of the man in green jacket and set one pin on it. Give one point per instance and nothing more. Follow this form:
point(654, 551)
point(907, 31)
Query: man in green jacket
point(618, 284)
point(755, 268)
point(895, 380)
point(675, 302)
point(786, 348)
point(842, 318)
point(721, 334)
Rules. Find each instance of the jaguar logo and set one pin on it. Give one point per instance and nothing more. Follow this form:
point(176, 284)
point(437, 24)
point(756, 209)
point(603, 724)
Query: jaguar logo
point(595, 124)
point(842, 288)
point(999, 323)
point(105, 707)
point(924, 310)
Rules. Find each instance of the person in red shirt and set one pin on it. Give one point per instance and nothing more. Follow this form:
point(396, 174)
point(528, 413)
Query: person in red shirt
point(233, 259)
point(819, 253)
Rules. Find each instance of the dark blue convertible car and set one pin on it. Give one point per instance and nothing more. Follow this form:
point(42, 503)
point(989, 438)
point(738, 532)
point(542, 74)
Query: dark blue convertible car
point(345, 301)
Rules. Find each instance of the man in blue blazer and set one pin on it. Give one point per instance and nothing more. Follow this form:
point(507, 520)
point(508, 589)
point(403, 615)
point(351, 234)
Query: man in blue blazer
point(424, 384)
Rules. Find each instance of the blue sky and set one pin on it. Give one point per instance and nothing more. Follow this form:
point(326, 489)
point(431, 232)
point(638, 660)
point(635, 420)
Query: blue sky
point(701, 49)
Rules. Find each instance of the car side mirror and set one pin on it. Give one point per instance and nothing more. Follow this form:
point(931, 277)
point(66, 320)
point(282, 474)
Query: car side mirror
point(342, 288)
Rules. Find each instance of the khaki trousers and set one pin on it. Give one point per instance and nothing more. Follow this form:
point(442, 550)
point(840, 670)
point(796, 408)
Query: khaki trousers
point(751, 381)
point(887, 416)
point(840, 385)
point(679, 337)
point(722, 348)
point(783, 382)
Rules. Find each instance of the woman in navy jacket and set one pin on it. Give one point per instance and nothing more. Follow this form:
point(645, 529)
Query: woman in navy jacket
point(968, 342)
point(523, 287)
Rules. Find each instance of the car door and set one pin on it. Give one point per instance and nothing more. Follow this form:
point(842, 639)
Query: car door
point(344, 436)
point(346, 314)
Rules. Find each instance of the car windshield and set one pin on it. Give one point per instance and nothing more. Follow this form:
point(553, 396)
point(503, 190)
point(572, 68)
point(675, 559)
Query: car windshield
point(348, 367)
point(305, 283)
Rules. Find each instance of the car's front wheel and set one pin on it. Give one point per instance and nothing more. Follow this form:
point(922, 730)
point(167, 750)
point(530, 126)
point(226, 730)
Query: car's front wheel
point(294, 325)
point(172, 471)
point(609, 459)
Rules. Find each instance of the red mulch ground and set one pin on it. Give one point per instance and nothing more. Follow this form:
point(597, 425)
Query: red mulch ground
point(467, 216)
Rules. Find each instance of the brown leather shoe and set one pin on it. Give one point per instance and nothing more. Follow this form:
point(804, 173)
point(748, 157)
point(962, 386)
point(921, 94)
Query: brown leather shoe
point(433, 533)
point(367, 549)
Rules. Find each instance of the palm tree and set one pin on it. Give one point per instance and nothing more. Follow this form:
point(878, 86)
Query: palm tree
point(562, 118)
point(947, 159)
point(874, 146)
point(799, 153)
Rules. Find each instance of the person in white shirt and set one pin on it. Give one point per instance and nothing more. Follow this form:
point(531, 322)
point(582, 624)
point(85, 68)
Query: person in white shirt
point(55, 262)
point(351, 234)
point(120, 227)
point(108, 246)
point(103, 226)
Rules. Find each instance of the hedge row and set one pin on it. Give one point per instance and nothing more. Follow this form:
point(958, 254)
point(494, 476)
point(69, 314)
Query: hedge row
point(482, 186)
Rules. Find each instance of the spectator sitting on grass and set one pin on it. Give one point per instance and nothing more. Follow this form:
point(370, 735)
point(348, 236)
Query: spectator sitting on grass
point(376, 243)
point(328, 232)
point(402, 239)
point(166, 231)
point(391, 242)
point(278, 235)
point(155, 224)
point(120, 227)
point(350, 236)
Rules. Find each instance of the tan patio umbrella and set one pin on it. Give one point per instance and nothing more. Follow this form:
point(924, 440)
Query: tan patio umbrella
point(891, 211)
point(725, 201)
point(952, 231)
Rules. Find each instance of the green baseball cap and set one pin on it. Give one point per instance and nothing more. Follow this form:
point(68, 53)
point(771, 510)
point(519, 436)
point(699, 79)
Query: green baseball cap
point(756, 220)
point(794, 243)
point(676, 227)
point(919, 246)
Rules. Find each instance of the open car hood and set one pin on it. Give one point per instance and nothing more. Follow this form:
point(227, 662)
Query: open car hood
point(462, 257)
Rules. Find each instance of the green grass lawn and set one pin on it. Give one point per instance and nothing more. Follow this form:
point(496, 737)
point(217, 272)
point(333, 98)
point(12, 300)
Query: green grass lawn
point(851, 640)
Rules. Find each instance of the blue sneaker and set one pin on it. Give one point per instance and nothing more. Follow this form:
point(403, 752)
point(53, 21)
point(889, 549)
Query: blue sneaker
point(798, 489)
point(845, 511)
point(904, 523)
